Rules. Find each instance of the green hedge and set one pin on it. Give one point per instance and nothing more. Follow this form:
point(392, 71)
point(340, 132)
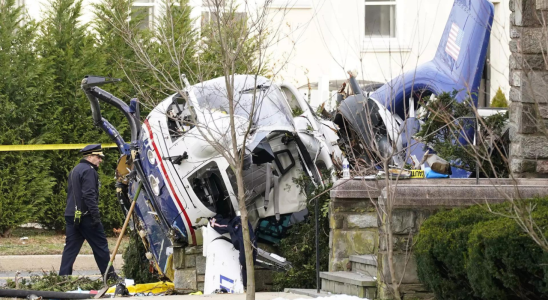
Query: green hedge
point(474, 254)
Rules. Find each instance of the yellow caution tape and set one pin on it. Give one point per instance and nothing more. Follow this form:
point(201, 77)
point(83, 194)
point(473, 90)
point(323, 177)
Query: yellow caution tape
point(417, 173)
point(5, 148)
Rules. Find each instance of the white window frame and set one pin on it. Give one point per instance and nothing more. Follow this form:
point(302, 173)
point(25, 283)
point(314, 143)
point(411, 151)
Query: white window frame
point(386, 44)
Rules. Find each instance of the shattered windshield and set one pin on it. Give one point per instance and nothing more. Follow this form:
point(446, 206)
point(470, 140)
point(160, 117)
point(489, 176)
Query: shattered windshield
point(270, 105)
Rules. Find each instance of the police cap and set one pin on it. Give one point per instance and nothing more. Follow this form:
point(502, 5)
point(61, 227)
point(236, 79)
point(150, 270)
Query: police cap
point(93, 149)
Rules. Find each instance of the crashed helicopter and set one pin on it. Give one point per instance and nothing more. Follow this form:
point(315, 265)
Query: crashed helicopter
point(185, 180)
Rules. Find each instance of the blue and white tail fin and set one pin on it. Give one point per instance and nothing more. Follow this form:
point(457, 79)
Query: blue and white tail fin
point(458, 63)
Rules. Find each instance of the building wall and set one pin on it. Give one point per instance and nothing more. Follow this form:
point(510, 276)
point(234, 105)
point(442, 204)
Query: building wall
point(333, 41)
point(321, 40)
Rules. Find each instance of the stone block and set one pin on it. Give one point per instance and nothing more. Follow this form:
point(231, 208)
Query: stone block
point(200, 278)
point(200, 264)
point(515, 94)
point(534, 87)
point(401, 243)
point(350, 242)
point(200, 286)
point(405, 268)
point(515, 78)
point(525, 117)
point(530, 146)
point(403, 221)
point(193, 250)
point(532, 41)
point(518, 165)
point(178, 258)
point(542, 4)
point(542, 167)
point(543, 111)
point(190, 261)
point(350, 205)
point(525, 14)
point(336, 221)
point(264, 280)
point(185, 281)
point(513, 45)
point(514, 32)
point(366, 220)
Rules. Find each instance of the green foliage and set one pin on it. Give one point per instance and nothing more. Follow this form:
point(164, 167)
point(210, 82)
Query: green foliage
point(69, 53)
point(299, 247)
point(445, 121)
point(499, 100)
point(475, 254)
point(24, 178)
point(441, 251)
point(50, 281)
point(136, 265)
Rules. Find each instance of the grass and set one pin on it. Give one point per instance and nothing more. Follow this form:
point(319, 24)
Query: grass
point(45, 242)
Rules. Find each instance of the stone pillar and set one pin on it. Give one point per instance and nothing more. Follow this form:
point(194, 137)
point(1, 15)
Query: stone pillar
point(529, 88)
point(352, 222)
point(189, 265)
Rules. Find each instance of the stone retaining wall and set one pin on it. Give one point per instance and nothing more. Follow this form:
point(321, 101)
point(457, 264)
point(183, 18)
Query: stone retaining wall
point(354, 232)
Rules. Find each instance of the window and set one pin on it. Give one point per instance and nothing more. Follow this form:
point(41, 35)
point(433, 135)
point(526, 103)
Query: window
point(380, 18)
point(208, 185)
point(179, 119)
point(142, 11)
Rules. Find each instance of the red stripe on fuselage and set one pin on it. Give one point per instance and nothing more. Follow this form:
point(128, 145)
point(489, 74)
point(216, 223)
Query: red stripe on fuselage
point(188, 223)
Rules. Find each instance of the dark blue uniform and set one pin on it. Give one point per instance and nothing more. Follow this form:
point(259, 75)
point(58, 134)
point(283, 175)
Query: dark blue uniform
point(83, 194)
point(234, 228)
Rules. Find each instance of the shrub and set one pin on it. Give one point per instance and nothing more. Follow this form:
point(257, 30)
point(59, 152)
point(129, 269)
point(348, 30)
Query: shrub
point(441, 252)
point(136, 265)
point(504, 262)
point(475, 254)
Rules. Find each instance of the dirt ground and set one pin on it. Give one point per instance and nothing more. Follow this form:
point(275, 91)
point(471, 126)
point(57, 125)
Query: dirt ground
point(44, 242)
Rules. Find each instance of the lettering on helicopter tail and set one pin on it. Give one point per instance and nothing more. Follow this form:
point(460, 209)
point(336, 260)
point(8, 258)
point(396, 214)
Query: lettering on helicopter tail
point(454, 41)
point(227, 280)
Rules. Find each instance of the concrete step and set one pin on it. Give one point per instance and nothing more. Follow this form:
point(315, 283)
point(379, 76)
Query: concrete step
point(364, 264)
point(349, 283)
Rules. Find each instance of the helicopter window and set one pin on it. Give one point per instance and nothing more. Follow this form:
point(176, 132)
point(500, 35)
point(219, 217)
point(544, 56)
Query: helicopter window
point(208, 185)
point(178, 117)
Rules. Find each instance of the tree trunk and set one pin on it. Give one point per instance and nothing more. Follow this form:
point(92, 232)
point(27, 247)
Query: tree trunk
point(247, 241)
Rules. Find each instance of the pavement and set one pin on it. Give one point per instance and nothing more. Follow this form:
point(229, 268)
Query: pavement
point(50, 262)
point(85, 265)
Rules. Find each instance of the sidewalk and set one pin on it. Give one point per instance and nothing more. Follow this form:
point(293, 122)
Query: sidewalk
point(32, 263)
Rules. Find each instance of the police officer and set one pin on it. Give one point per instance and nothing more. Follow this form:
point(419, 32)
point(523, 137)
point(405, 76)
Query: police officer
point(82, 212)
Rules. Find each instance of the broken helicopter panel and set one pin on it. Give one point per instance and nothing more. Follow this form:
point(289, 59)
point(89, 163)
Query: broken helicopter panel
point(186, 180)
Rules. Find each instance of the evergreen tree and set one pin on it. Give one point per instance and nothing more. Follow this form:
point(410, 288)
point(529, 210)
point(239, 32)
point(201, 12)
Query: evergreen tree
point(499, 100)
point(24, 176)
point(69, 53)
